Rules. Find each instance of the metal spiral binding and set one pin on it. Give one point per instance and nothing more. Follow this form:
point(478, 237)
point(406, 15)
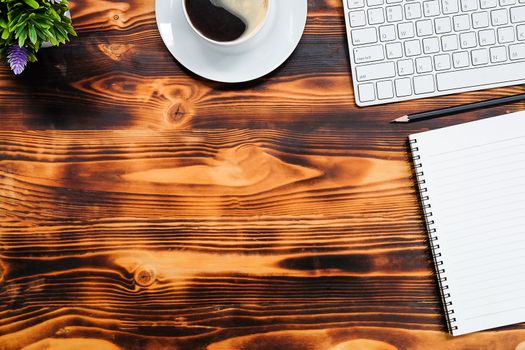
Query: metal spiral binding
point(432, 235)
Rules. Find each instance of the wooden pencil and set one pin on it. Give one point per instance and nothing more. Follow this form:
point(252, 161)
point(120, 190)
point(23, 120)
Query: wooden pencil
point(436, 113)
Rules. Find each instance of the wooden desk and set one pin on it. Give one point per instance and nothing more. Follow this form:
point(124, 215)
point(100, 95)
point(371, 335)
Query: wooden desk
point(144, 208)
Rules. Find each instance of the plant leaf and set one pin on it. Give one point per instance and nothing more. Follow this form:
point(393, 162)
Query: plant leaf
point(32, 3)
point(32, 34)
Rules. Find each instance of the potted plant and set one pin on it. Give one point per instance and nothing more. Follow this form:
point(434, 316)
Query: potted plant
point(27, 24)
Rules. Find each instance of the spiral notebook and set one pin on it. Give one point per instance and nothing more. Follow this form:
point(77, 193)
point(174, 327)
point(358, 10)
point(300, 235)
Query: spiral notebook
point(471, 179)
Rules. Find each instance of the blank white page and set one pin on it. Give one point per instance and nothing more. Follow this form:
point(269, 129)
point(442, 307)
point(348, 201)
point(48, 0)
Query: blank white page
point(473, 178)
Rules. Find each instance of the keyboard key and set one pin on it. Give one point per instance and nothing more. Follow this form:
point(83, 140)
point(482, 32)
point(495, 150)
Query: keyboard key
point(376, 15)
point(413, 11)
point(517, 14)
point(499, 17)
point(424, 64)
point(366, 92)
point(375, 71)
point(480, 20)
point(443, 25)
point(431, 8)
point(498, 54)
point(385, 90)
point(461, 22)
point(357, 18)
point(442, 62)
point(394, 50)
point(403, 87)
point(505, 35)
point(394, 13)
point(521, 31)
point(364, 36)
point(460, 59)
point(424, 28)
point(387, 33)
point(405, 67)
point(479, 57)
point(424, 84)
point(487, 37)
point(405, 30)
point(431, 45)
point(449, 42)
point(469, 5)
point(517, 51)
point(467, 40)
point(352, 4)
point(412, 48)
point(369, 54)
point(449, 6)
point(462, 79)
point(487, 4)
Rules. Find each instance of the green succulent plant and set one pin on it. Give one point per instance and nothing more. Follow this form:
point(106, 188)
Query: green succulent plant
point(26, 24)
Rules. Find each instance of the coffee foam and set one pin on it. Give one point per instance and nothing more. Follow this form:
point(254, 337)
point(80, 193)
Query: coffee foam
point(251, 12)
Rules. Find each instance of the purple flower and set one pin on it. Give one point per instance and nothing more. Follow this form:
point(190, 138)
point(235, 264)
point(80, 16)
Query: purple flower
point(17, 58)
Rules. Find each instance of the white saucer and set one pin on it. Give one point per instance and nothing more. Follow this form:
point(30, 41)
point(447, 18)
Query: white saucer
point(255, 58)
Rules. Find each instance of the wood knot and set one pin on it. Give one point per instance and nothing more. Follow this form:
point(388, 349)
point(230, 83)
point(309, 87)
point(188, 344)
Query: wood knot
point(145, 276)
point(2, 272)
point(115, 51)
point(117, 17)
point(176, 113)
point(62, 331)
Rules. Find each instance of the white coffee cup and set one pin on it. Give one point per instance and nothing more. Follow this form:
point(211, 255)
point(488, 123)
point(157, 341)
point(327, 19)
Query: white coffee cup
point(243, 38)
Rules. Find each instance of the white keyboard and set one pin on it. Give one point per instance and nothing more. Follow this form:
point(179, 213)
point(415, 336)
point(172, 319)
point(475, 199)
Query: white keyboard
point(407, 49)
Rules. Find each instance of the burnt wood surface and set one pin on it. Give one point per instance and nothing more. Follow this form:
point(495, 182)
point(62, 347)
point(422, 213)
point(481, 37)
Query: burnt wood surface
point(142, 207)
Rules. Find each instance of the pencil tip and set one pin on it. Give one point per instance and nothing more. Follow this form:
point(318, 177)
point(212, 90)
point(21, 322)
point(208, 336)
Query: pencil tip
point(403, 119)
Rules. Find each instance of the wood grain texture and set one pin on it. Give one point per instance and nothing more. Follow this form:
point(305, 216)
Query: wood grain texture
point(143, 208)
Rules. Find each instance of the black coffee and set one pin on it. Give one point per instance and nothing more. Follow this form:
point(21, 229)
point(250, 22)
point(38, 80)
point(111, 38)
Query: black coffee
point(226, 20)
